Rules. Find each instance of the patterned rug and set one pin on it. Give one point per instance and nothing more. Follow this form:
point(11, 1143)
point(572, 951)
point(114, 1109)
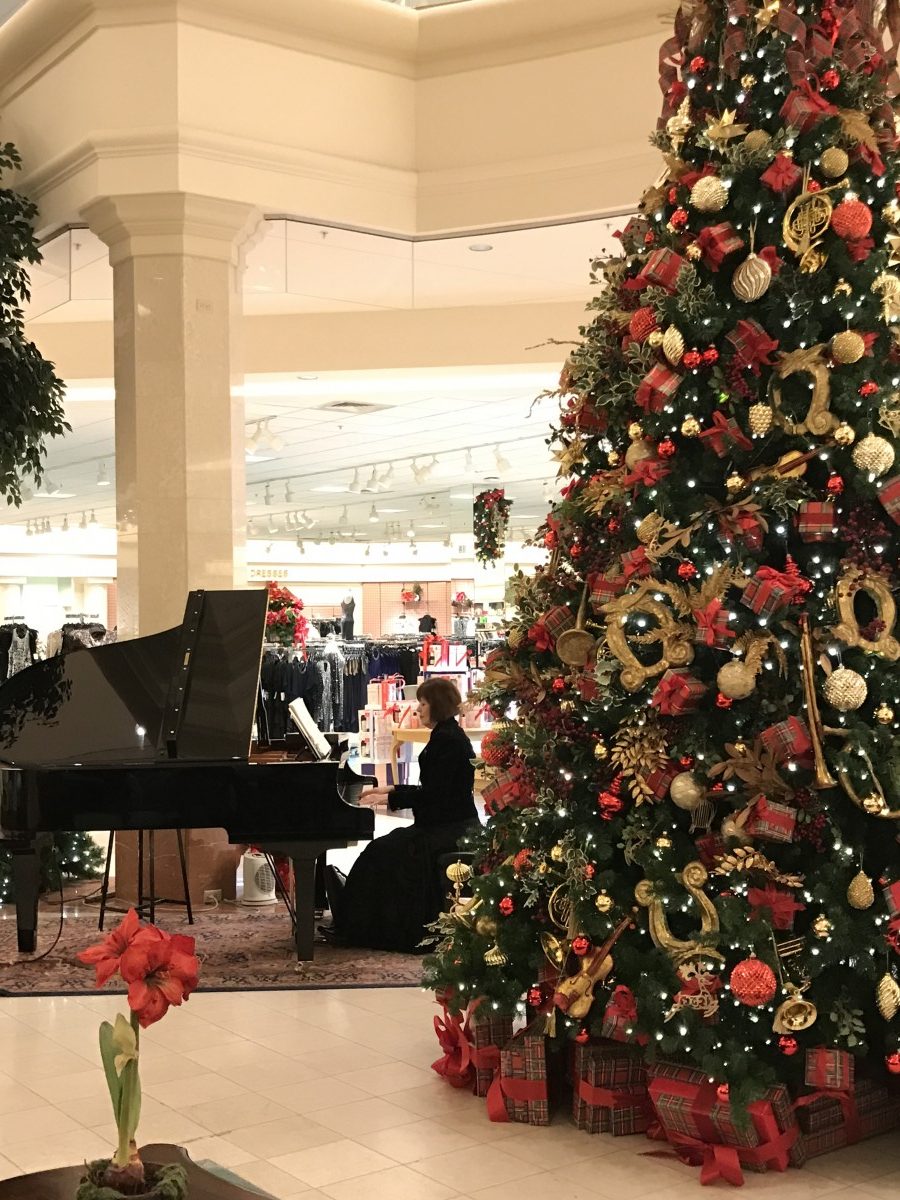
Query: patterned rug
point(239, 949)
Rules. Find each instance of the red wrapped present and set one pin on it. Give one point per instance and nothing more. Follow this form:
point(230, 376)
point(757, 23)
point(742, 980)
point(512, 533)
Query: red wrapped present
point(766, 596)
point(891, 893)
point(804, 108)
point(609, 1089)
point(788, 739)
point(774, 905)
point(816, 521)
point(521, 1092)
point(661, 270)
point(849, 1110)
point(711, 847)
point(830, 1068)
point(605, 588)
point(698, 1122)
point(678, 692)
point(657, 388)
point(504, 789)
point(660, 780)
point(774, 822)
point(716, 242)
point(744, 525)
point(725, 435)
point(620, 1018)
point(636, 564)
point(753, 348)
point(782, 175)
point(558, 620)
point(889, 495)
point(877, 1119)
point(488, 1031)
point(455, 1064)
point(632, 236)
point(713, 628)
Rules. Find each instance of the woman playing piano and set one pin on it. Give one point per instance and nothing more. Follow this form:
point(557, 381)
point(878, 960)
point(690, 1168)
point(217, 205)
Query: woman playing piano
point(395, 889)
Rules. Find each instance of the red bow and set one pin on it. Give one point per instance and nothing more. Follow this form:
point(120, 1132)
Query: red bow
point(539, 636)
point(622, 1005)
point(646, 473)
point(790, 580)
point(782, 175)
point(726, 429)
point(456, 1062)
point(753, 345)
point(781, 905)
point(769, 255)
point(669, 692)
point(636, 563)
point(433, 640)
point(709, 623)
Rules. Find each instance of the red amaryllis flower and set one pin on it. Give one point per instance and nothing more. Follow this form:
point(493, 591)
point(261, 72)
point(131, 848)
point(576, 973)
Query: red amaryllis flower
point(161, 970)
point(106, 956)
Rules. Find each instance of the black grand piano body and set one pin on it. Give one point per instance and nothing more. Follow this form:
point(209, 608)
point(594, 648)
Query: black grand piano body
point(155, 733)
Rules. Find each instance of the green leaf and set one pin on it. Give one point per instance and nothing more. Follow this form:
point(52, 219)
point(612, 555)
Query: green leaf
point(108, 1052)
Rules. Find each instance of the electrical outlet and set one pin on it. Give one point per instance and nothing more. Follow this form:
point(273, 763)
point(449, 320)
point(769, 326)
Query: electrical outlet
point(212, 896)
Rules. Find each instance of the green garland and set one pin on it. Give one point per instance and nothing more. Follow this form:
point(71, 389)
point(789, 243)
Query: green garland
point(490, 523)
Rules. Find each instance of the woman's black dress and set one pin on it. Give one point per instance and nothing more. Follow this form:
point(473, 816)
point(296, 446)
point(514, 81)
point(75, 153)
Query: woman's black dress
point(394, 889)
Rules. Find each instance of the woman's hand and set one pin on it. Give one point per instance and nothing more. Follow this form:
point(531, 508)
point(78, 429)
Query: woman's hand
point(375, 797)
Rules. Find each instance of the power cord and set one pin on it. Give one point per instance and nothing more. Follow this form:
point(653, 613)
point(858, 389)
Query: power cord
point(19, 962)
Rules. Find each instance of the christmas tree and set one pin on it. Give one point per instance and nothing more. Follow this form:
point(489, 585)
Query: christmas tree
point(695, 802)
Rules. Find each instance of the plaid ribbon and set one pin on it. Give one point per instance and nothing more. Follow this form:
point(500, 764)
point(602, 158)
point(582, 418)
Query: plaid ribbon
point(829, 1069)
point(712, 624)
point(815, 521)
point(804, 107)
point(677, 693)
point(604, 589)
point(717, 242)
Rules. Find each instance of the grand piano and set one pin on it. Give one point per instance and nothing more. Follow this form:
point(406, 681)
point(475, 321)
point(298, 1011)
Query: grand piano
point(155, 733)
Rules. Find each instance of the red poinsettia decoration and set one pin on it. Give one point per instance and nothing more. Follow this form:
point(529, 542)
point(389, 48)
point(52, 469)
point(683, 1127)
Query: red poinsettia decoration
point(285, 619)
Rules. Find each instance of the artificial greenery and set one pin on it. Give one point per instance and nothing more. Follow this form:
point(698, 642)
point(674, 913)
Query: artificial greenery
point(490, 522)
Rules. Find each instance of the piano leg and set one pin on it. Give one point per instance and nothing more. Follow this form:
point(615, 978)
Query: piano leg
point(305, 906)
point(26, 874)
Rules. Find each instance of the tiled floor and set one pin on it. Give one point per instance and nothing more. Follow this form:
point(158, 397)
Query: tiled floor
point(329, 1094)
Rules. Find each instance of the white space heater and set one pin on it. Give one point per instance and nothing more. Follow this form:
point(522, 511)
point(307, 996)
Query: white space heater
point(259, 879)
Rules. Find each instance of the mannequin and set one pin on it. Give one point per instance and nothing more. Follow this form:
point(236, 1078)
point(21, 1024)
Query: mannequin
point(427, 624)
point(348, 607)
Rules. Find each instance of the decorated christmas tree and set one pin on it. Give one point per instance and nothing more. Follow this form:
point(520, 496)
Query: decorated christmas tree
point(695, 793)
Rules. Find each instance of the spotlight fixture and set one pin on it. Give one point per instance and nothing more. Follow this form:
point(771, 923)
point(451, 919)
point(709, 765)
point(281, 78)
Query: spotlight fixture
point(368, 550)
point(373, 516)
point(273, 440)
point(82, 524)
point(290, 520)
point(92, 520)
point(300, 545)
point(420, 473)
point(371, 484)
point(480, 247)
point(411, 532)
point(254, 438)
point(102, 476)
point(386, 481)
point(503, 464)
point(355, 485)
point(251, 527)
point(267, 494)
point(288, 493)
point(65, 524)
point(469, 464)
point(272, 526)
point(29, 532)
point(342, 520)
point(414, 549)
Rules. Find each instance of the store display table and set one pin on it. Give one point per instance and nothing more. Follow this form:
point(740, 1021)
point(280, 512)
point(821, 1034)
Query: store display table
point(62, 1183)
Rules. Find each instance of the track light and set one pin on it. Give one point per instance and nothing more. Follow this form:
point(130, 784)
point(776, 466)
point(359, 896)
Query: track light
point(503, 464)
point(29, 532)
point(254, 438)
point(273, 441)
point(469, 464)
point(355, 485)
point(288, 493)
point(273, 525)
point(342, 520)
point(368, 550)
point(64, 528)
point(371, 484)
point(373, 516)
point(300, 545)
point(267, 494)
point(102, 476)
point(92, 520)
point(386, 481)
point(411, 532)
point(414, 549)
point(251, 527)
point(420, 473)
point(82, 524)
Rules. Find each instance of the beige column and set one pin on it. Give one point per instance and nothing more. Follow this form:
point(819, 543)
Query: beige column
point(177, 262)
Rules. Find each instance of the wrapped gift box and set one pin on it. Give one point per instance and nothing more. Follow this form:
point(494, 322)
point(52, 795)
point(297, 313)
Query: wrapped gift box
point(488, 1031)
point(657, 388)
point(787, 739)
point(558, 620)
point(450, 656)
point(891, 893)
point(605, 588)
point(503, 788)
point(816, 521)
point(620, 1018)
point(524, 1079)
point(805, 108)
point(660, 780)
point(827, 1067)
point(716, 242)
point(661, 270)
point(766, 597)
point(678, 692)
point(830, 1122)
point(889, 496)
point(775, 822)
point(697, 1120)
point(609, 1089)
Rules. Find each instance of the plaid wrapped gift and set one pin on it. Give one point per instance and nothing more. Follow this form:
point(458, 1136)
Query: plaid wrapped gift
point(713, 627)
point(815, 521)
point(775, 822)
point(891, 895)
point(558, 620)
point(661, 269)
point(620, 1018)
point(660, 780)
point(827, 1067)
point(609, 1090)
point(711, 847)
point(782, 175)
point(787, 739)
point(823, 1110)
point(889, 495)
point(657, 388)
point(716, 242)
point(521, 1092)
point(752, 345)
point(804, 108)
point(699, 1123)
point(632, 236)
point(766, 596)
point(488, 1031)
point(635, 563)
point(678, 692)
point(605, 588)
point(503, 789)
point(725, 434)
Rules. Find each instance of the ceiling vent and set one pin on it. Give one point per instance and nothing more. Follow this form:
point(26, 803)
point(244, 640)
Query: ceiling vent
point(354, 408)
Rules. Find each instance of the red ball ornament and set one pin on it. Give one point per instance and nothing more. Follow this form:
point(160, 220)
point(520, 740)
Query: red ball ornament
point(581, 945)
point(590, 871)
point(723, 701)
point(551, 539)
point(814, 186)
point(835, 485)
point(892, 1062)
point(535, 997)
point(558, 684)
point(788, 1046)
point(666, 448)
point(507, 906)
point(582, 1036)
point(679, 218)
point(830, 79)
point(613, 525)
point(685, 762)
point(753, 982)
point(495, 751)
point(642, 324)
point(869, 388)
point(699, 64)
point(649, 237)
point(723, 1092)
point(710, 356)
point(693, 359)
point(576, 550)
point(522, 861)
point(852, 219)
point(687, 570)
point(673, 195)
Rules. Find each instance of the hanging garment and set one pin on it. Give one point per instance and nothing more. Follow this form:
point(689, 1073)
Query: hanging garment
point(20, 650)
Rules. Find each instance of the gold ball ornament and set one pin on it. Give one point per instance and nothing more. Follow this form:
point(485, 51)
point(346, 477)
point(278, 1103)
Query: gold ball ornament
point(635, 432)
point(891, 212)
point(735, 483)
point(639, 452)
point(459, 873)
point(873, 454)
point(736, 680)
point(887, 996)
point(686, 791)
point(752, 279)
point(604, 903)
point(860, 893)
point(847, 347)
point(761, 418)
point(690, 427)
point(614, 458)
point(656, 339)
point(709, 194)
point(486, 926)
point(748, 81)
point(874, 804)
point(845, 690)
point(693, 252)
point(843, 288)
point(557, 853)
point(663, 842)
point(884, 714)
point(757, 139)
point(673, 345)
point(844, 435)
point(834, 162)
point(822, 927)
point(601, 751)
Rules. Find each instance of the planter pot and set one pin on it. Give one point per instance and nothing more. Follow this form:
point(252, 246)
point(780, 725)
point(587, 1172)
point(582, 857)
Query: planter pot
point(166, 1181)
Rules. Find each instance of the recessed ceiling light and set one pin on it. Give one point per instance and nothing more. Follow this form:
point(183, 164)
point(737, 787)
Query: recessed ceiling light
point(330, 487)
point(440, 525)
point(381, 509)
point(480, 247)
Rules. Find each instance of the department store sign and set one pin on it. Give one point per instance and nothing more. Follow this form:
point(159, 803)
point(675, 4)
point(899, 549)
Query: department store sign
point(267, 573)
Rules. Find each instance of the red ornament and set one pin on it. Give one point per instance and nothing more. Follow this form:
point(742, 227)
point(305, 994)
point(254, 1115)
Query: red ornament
point(673, 195)
point(590, 871)
point(679, 218)
point(788, 1046)
point(551, 540)
point(495, 751)
point(582, 1036)
point(723, 1092)
point(723, 701)
point(535, 997)
point(693, 359)
point(835, 485)
point(522, 861)
point(710, 356)
point(869, 388)
point(642, 324)
point(666, 448)
point(581, 945)
point(576, 550)
point(613, 525)
point(852, 219)
point(830, 79)
point(687, 570)
point(558, 684)
point(649, 237)
point(814, 186)
point(609, 804)
point(753, 982)
point(892, 1062)
point(686, 762)
point(507, 906)
point(699, 64)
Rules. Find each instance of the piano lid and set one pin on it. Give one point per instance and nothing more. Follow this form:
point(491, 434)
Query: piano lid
point(187, 693)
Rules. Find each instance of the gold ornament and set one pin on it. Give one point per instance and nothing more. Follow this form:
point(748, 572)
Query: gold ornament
point(794, 1014)
point(847, 631)
point(761, 417)
point(673, 345)
point(847, 347)
point(601, 751)
point(638, 452)
point(693, 252)
point(690, 427)
point(543, 868)
point(723, 128)
point(845, 690)
point(891, 212)
point(884, 714)
point(733, 830)
point(554, 949)
point(805, 224)
point(567, 706)
point(860, 893)
point(486, 926)
point(656, 339)
point(559, 907)
point(874, 454)
point(574, 647)
point(614, 458)
point(783, 468)
point(679, 125)
point(834, 162)
point(748, 81)
point(675, 637)
point(810, 361)
point(756, 139)
point(693, 877)
point(843, 288)
point(887, 997)
point(709, 194)
point(767, 13)
point(635, 432)
point(887, 285)
point(604, 903)
point(557, 853)
point(735, 483)
point(822, 927)
point(459, 873)
point(844, 435)
point(516, 637)
point(874, 804)
point(752, 278)
point(740, 860)
point(686, 791)
point(663, 842)
point(736, 680)
point(649, 528)
point(494, 957)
